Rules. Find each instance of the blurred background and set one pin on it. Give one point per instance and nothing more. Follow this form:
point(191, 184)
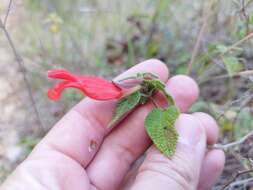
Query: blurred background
point(212, 41)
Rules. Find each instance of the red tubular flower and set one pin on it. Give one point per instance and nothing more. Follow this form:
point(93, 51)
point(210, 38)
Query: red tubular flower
point(93, 87)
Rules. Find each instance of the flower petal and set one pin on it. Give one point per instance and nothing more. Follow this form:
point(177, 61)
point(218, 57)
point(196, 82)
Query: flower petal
point(61, 74)
point(93, 87)
point(55, 92)
point(100, 89)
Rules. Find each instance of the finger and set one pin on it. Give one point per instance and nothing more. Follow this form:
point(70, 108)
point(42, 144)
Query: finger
point(183, 169)
point(211, 127)
point(184, 91)
point(214, 159)
point(129, 140)
point(129, 178)
point(212, 167)
point(79, 133)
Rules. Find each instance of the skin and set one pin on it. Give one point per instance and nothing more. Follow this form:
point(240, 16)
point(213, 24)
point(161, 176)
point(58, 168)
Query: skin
point(64, 161)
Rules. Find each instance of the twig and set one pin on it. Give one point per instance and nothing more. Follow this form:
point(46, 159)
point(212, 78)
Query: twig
point(241, 182)
point(7, 13)
point(230, 48)
point(228, 105)
point(243, 104)
point(235, 143)
point(245, 73)
point(23, 70)
point(236, 176)
point(250, 35)
point(199, 39)
point(242, 73)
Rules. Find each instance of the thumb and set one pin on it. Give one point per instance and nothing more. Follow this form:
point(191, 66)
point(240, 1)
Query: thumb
point(181, 172)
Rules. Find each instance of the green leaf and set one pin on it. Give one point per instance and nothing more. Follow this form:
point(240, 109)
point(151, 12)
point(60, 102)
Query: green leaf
point(222, 48)
point(181, 69)
point(159, 85)
point(124, 106)
point(160, 127)
point(251, 19)
point(242, 32)
point(232, 64)
point(198, 106)
point(152, 48)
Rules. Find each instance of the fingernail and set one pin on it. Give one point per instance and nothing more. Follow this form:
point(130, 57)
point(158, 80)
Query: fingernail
point(189, 129)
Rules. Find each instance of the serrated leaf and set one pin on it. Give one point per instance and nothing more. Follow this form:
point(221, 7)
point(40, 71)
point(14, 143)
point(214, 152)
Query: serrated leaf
point(232, 65)
point(160, 127)
point(159, 85)
point(124, 106)
point(156, 83)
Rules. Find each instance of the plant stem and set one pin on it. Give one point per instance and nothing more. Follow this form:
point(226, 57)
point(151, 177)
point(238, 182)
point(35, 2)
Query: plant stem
point(250, 35)
point(23, 70)
point(154, 102)
point(235, 143)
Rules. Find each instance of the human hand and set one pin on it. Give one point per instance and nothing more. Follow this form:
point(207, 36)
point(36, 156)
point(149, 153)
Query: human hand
point(65, 160)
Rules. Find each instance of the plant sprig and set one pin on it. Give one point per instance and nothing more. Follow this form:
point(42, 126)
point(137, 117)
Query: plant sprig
point(130, 93)
point(159, 123)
